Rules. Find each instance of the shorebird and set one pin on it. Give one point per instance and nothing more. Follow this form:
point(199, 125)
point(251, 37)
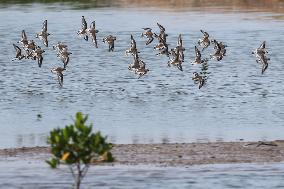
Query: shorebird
point(59, 46)
point(198, 79)
point(62, 52)
point(149, 34)
point(175, 60)
point(260, 51)
point(83, 30)
point(261, 58)
point(30, 45)
point(59, 73)
point(218, 55)
point(221, 46)
point(30, 48)
point(92, 31)
point(141, 70)
point(162, 46)
point(204, 42)
point(38, 55)
point(64, 56)
point(110, 40)
point(43, 34)
point(180, 49)
point(19, 55)
point(197, 59)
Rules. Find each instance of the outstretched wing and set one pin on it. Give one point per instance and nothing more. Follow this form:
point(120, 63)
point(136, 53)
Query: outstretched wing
point(204, 33)
point(18, 51)
point(24, 36)
point(93, 24)
point(60, 78)
point(45, 41)
point(179, 40)
point(84, 23)
point(39, 61)
point(161, 27)
point(44, 26)
point(16, 48)
point(197, 53)
point(146, 28)
point(262, 46)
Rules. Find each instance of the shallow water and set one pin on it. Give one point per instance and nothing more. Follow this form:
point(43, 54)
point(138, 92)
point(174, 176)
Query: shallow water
point(26, 175)
point(165, 105)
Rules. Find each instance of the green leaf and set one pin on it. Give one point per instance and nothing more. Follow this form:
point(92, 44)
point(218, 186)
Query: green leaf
point(53, 163)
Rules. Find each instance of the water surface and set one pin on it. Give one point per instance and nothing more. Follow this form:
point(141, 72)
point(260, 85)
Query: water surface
point(165, 105)
point(26, 175)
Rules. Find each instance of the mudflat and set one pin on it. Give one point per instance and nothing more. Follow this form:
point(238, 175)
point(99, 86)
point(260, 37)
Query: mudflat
point(174, 154)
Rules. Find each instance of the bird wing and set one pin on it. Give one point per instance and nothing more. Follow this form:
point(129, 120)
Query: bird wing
point(24, 36)
point(84, 24)
point(197, 52)
point(45, 41)
point(16, 48)
point(93, 24)
point(204, 33)
point(44, 26)
point(179, 40)
point(60, 78)
point(39, 61)
point(262, 46)
point(146, 28)
point(161, 27)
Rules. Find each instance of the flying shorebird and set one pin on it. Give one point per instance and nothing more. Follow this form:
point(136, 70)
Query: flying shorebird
point(260, 51)
point(149, 34)
point(83, 30)
point(162, 46)
point(221, 46)
point(261, 58)
point(92, 31)
point(59, 46)
point(198, 79)
point(218, 55)
point(38, 55)
point(59, 73)
point(141, 70)
point(175, 60)
point(197, 59)
point(180, 49)
point(64, 56)
point(110, 40)
point(43, 34)
point(204, 42)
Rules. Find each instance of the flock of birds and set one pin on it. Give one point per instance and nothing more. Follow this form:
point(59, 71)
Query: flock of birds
point(29, 50)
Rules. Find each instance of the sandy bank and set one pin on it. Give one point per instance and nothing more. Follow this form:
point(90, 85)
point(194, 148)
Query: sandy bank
point(173, 154)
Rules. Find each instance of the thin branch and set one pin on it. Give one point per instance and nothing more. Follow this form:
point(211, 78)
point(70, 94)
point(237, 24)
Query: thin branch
point(84, 171)
point(73, 174)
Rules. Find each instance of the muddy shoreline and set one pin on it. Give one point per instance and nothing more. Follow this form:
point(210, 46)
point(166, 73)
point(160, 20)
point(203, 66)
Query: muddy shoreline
point(180, 154)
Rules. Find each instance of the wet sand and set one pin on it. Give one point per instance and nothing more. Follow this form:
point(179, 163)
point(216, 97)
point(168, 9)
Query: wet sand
point(175, 155)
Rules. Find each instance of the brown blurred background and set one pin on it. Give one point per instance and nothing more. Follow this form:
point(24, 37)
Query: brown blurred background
point(246, 5)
